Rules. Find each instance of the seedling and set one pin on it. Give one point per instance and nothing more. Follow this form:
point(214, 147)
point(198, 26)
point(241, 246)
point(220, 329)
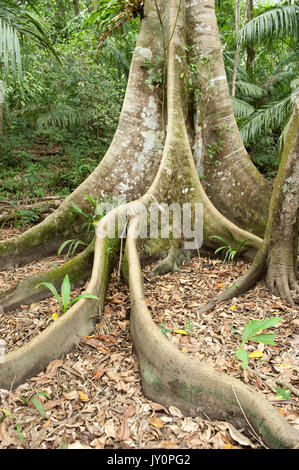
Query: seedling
point(164, 330)
point(65, 301)
point(36, 402)
point(73, 245)
point(251, 333)
point(231, 251)
point(282, 393)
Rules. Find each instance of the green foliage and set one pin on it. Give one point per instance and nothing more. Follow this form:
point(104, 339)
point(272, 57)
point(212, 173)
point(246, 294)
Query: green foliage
point(164, 330)
point(230, 251)
point(73, 246)
point(251, 332)
point(36, 402)
point(280, 21)
point(282, 393)
point(65, 300)
point(17, 20)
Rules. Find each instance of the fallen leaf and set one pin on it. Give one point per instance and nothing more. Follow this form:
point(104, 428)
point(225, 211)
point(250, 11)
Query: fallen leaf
point(83, 396)
point(158, 407)
point(70, 395)
point(52, 367)
point(232, 307)
point(181, 332)
point(255, 354)
point(109, 429)
point(98, 374)
point(238, 436)
point(175, 412)
point(156, 422)
point(188, 425)
point(113, 375)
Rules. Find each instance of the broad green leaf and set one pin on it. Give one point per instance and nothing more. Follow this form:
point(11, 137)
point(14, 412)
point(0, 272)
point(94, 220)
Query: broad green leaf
point(242, 355)
point(264, 338)
point(39, 406)
point(52, 289)
point(85, 295)
point(66, 292)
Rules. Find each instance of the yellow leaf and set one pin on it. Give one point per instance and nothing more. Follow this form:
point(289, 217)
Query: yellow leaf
point(157, 422)
point(233, 307)
point(280, 410)
point(54, 316)
point(83, 396)
point(255, 354)
point(220, 284)
point(181, 332)
point(184, 350)
point(228, 446)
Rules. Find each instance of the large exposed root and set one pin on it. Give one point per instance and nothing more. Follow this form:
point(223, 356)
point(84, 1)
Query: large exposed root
point(281, 280)
point(66, 331)
point(171, 378)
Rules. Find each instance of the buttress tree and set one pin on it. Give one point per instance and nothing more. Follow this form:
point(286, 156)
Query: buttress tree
point(177, 141)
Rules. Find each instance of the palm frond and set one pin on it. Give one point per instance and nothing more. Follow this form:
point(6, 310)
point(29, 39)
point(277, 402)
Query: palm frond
point(268, 118)
point(278, 22)
point(15, 21)
point(249, 89)
point(60, 117)
point(241, 108)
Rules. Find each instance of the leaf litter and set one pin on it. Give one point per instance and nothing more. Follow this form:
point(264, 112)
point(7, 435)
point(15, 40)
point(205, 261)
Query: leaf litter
point(92, 396)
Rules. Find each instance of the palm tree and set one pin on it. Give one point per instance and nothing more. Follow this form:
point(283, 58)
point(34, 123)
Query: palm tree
point(16, 20)
point(264, 103)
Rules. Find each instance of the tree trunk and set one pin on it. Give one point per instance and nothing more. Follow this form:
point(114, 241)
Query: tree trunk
point(250, 49)
point(76, 7)
point(277, 257)
point(146, 165)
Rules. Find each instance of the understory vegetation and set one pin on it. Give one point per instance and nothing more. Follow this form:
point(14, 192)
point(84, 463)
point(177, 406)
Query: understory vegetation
point(60, 114)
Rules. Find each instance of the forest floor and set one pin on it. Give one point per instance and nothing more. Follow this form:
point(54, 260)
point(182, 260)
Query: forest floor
point(92, 396)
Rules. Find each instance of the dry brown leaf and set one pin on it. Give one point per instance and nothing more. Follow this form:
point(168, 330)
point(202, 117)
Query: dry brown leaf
point(238, 436)
point(113, 375)
point(175, 412)
point(52, 368)
point(158, 407)
point(73, 395)
point(98, 374)
point(109, 428)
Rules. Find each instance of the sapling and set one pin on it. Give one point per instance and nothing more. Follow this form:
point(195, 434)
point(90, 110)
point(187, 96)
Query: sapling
point(65, 301)
point(251, 333)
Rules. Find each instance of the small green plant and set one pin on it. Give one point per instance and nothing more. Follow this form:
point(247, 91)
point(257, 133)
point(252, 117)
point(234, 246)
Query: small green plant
point(155, 71)
point(230, 251)
point(164, 330)
point(73, 245)
point(36, 402)
point(282, 393)
point(251, 332)
point(100, 207)
point(65, 301)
